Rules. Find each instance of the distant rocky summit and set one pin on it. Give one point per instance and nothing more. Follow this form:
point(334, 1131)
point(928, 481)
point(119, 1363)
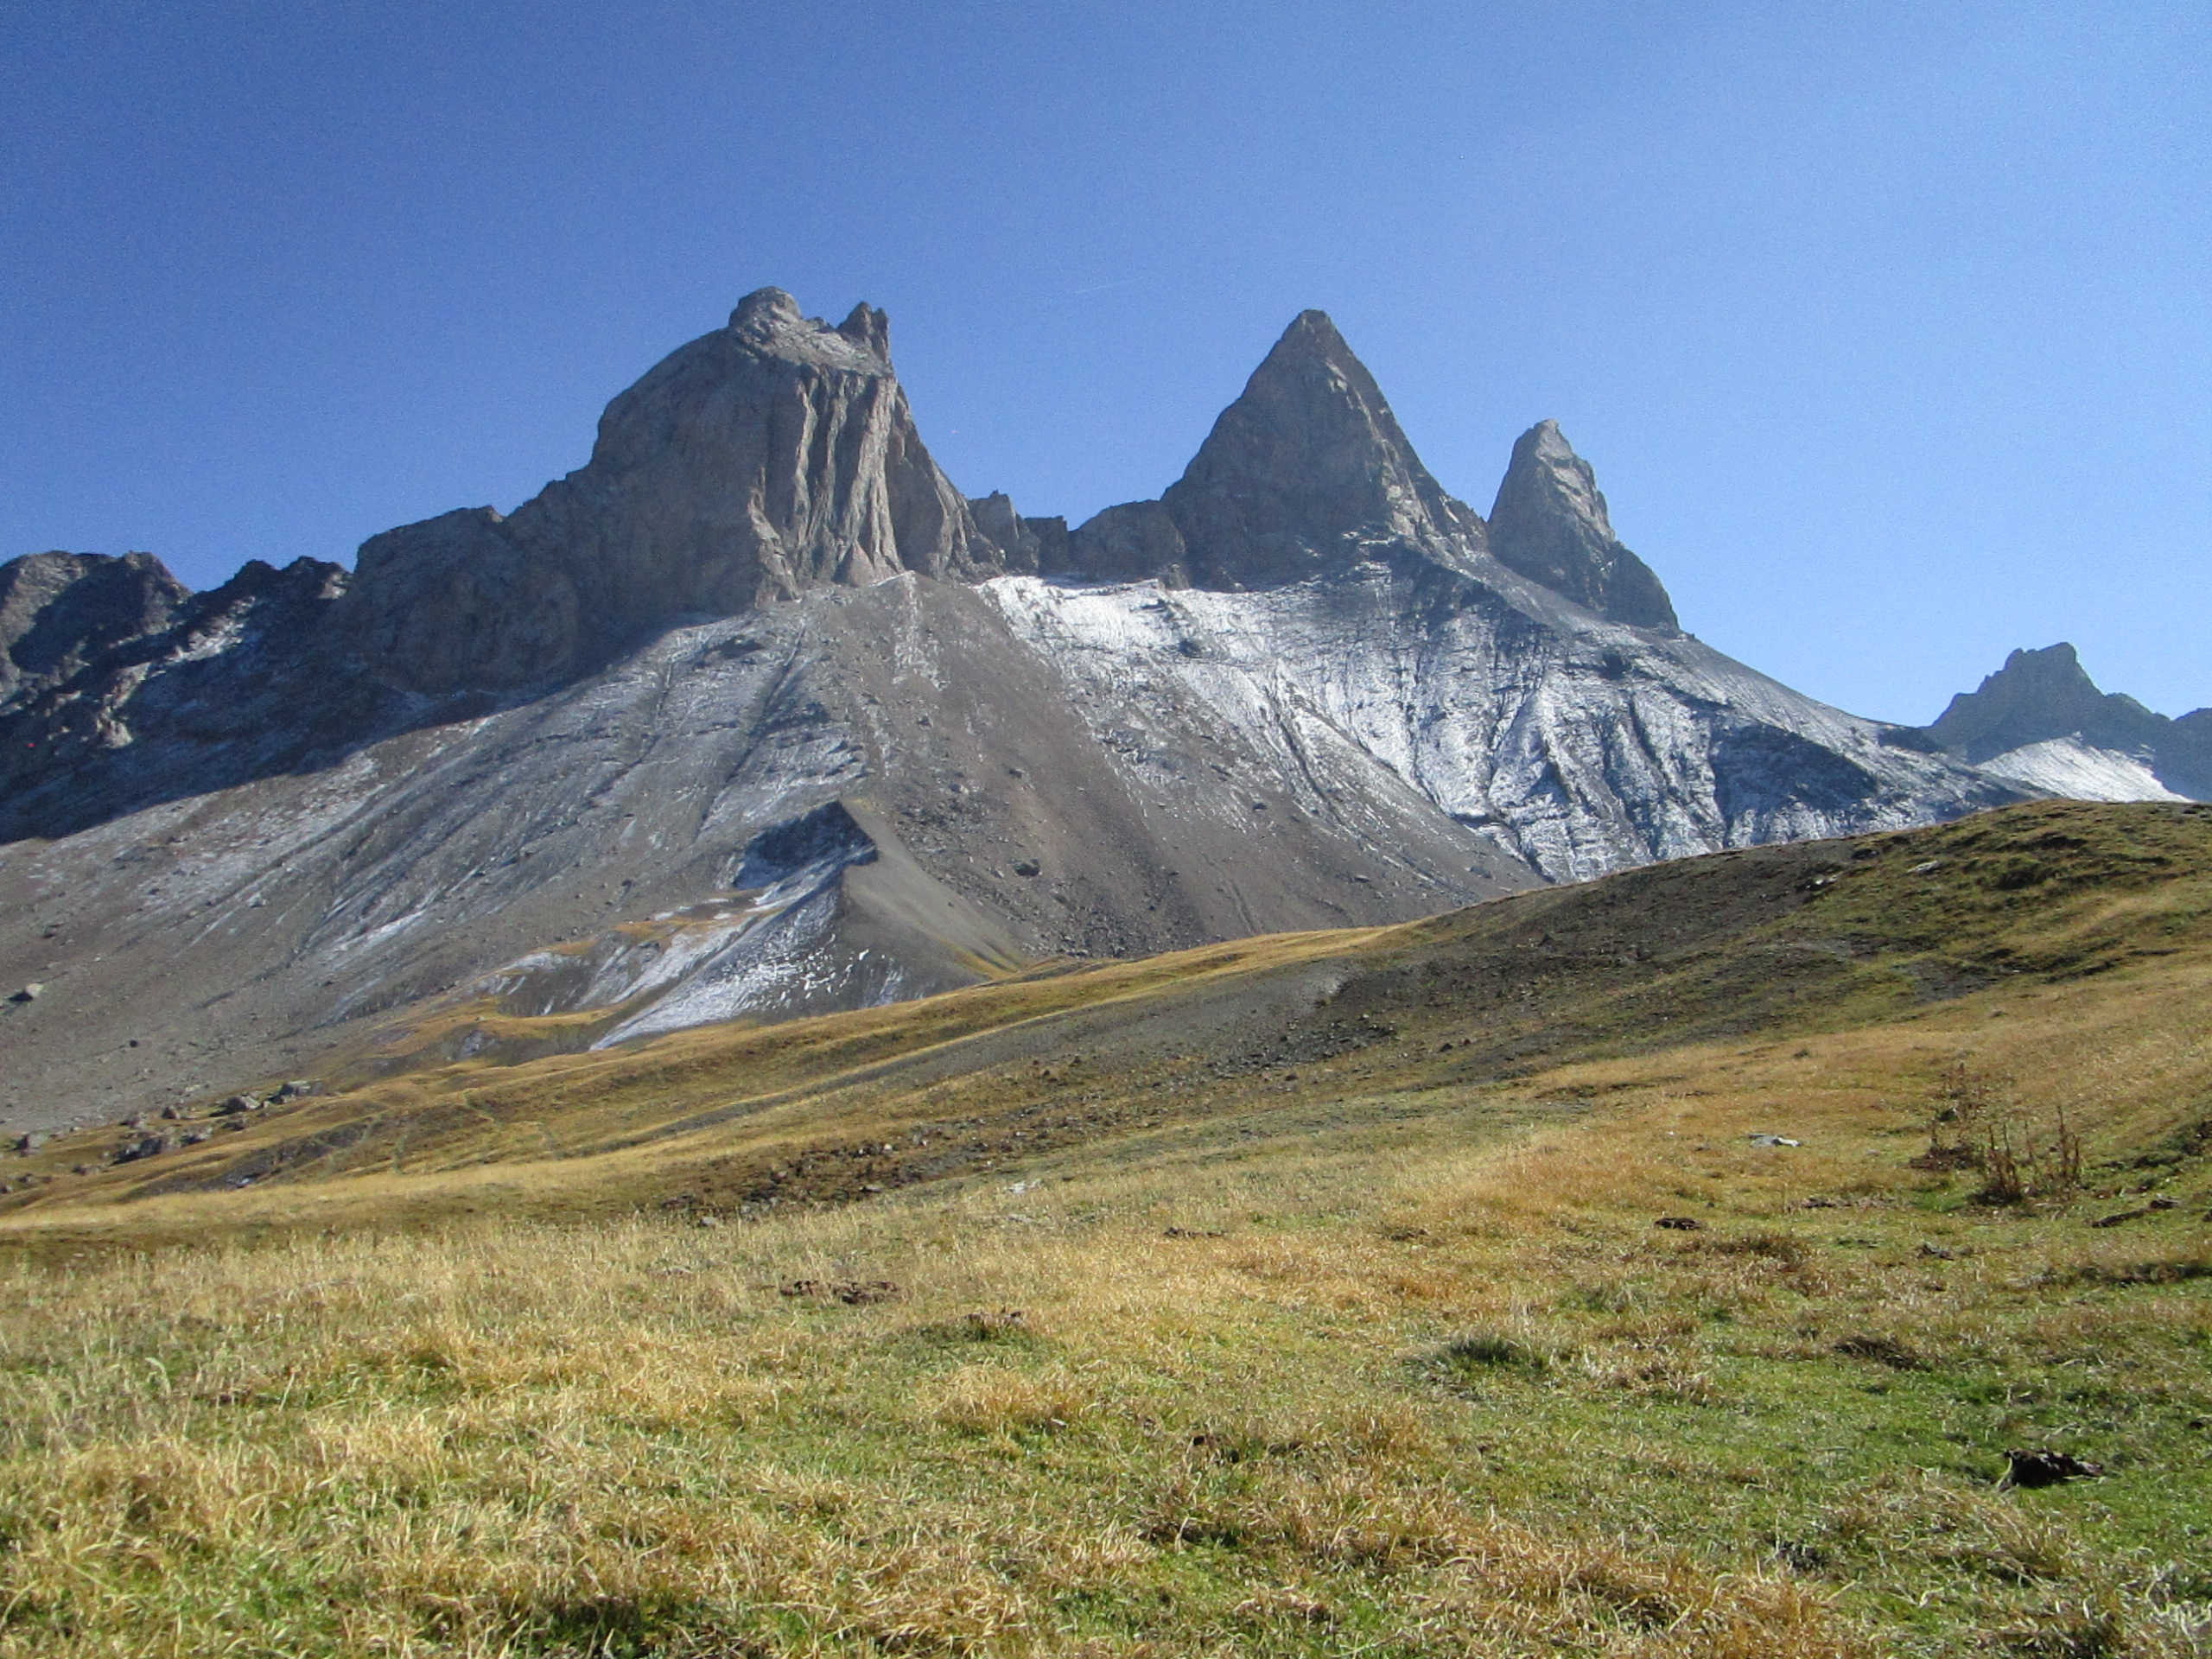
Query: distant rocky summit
point(756, 713)
point(2040, 721)
point(58, 611)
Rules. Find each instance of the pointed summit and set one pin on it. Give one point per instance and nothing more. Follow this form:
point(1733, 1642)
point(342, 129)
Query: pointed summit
point(2047, 698)
point(1304, 469)
point(1550, 525)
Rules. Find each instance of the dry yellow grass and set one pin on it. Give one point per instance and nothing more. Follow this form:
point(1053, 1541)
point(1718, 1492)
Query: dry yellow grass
point(1380, 1360)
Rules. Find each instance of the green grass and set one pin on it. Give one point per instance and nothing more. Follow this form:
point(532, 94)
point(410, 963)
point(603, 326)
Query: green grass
point(1389, 1358)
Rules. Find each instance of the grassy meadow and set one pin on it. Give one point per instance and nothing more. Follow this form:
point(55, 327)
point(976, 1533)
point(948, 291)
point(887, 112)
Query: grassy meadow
point(1354, 1331)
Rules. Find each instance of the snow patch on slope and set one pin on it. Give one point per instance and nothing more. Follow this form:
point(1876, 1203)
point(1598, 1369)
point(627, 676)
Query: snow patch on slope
point(2070, 769)
point(1585, 746)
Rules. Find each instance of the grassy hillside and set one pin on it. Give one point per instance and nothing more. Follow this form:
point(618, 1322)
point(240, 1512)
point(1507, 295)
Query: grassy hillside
point(1306, 1295)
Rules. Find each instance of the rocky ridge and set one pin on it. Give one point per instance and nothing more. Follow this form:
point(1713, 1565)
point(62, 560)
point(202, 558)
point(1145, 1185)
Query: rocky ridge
point(525, 765)
point(757, 463)
point(1549, 523)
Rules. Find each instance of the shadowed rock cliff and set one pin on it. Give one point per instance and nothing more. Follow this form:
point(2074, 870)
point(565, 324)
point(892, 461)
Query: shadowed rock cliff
point(58, 610)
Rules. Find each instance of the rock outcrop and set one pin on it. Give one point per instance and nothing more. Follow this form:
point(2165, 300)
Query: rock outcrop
point(1307, 472)
point(59, 611)
point(1549, 523)
point(178, 695)
point(2038, 694)
point(759, 462)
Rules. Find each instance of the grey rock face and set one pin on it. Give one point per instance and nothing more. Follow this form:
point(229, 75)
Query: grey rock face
point(769, 458)
point(1020, 548)
point(457, 601)
point(1130, 543)
point(2039, 696)
point(58, 611)
point(1549, 523)
point(228, 685)
point(1307, 472)
point(1305, 469)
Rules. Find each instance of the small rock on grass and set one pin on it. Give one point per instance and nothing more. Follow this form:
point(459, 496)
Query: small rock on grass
point(2044, 1467)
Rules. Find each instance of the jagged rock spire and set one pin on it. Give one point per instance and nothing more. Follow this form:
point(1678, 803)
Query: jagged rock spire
point(1550, 525)
point(1305, 467)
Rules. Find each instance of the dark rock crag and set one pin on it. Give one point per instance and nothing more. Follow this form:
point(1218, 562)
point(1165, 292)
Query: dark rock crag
point(58, 610)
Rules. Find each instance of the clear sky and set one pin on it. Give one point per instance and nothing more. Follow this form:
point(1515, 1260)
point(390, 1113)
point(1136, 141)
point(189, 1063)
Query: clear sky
point(1888, 327)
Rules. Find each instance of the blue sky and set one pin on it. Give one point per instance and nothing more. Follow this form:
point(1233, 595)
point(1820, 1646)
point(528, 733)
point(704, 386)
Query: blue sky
point(1887, 329)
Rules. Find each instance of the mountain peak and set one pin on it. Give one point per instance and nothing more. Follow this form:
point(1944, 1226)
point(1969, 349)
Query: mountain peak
point(768, 323)
point(2039, 695)
point(1549, 523)
point(1312, 331)
point(2058, 665)
point(764, 459)
point(867, 325)
point(765, 309)
point(2042, 696)
point(1304, 469)
point(58, 609)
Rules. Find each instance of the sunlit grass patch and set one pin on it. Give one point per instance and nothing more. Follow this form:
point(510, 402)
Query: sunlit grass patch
point(1389, 1359)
